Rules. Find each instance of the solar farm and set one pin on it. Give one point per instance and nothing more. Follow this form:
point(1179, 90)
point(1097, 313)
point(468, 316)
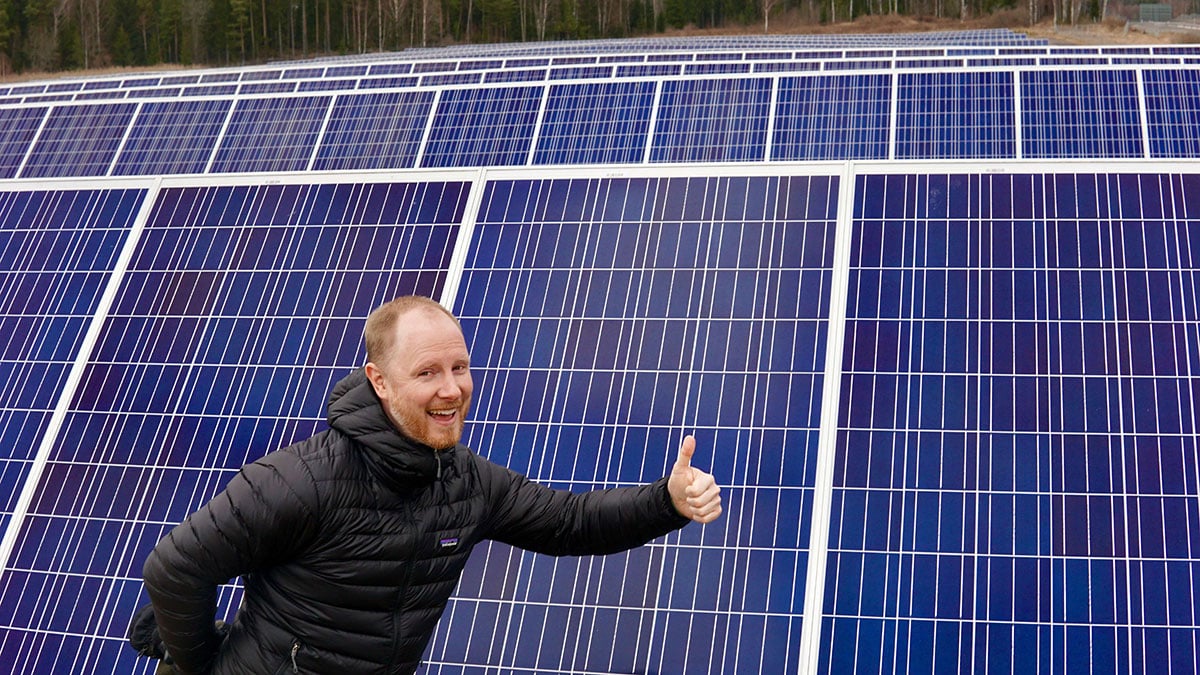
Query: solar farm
point(930, 304)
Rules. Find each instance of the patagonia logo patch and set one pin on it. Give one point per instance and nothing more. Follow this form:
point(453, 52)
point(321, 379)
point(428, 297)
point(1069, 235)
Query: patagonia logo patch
point(448, 542)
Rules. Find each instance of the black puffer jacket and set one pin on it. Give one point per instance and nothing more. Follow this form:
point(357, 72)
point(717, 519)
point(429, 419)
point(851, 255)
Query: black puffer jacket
point(351, 542)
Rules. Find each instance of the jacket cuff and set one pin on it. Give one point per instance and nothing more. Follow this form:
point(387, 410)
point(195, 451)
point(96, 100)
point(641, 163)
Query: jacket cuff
point(677, 519)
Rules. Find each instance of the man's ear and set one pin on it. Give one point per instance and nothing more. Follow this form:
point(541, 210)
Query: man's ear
point(375, 375)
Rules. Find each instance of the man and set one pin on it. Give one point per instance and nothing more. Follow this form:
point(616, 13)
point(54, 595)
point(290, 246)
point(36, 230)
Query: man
point(351, 542)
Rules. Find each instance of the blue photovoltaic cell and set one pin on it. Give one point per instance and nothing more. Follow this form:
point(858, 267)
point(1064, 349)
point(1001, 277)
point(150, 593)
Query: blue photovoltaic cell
point(481, 127)
point(271, 134)
point(1173, 112)
point(172, 137)
point(17, 127)
point(375, 131)
point(240, 308)
point(1080, 113)
point(606, 318)
point(1015, 483)
point(57, 250)
point(78, 140)
point(955, 115)
point(832, 117)
point(712, 120)
point(595, 123)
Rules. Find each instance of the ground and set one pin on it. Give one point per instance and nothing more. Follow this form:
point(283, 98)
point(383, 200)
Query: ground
point(1110, 32)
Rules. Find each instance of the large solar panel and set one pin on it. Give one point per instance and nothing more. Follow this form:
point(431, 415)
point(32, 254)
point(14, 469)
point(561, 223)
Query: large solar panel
point(940, 355)
point(239, 309)
point(612, 316)
point(1015, 483)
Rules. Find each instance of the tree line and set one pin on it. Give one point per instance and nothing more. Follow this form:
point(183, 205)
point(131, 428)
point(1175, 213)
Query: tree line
point(52, 35)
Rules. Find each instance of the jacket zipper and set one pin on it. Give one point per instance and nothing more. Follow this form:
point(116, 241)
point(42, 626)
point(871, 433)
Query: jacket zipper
point(295, 650)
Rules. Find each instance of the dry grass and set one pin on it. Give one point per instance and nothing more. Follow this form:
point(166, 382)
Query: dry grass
point(94, 72)
point(1113, 31)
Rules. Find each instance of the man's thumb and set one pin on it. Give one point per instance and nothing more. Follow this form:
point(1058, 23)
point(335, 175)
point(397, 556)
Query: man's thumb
point(686, 450)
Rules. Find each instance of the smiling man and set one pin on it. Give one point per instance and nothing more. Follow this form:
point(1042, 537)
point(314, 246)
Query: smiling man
point(350, 543)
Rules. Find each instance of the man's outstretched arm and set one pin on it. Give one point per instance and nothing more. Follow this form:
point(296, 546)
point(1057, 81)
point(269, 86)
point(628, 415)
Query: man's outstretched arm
point(557, 522)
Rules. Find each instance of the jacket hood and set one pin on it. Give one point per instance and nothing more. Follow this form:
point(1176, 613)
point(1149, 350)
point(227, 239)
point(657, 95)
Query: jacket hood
point(398, 461)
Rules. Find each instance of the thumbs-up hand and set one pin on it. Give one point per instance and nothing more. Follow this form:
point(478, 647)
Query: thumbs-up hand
point(694, 493)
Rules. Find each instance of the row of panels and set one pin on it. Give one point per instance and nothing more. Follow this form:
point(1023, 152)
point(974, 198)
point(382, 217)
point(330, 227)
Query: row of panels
point(485, 60)
point(1125, 113)
point(956, 535)
point(498, 71)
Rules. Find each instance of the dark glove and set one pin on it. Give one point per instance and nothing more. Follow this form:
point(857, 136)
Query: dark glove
point(143, 635)
point(144, 638)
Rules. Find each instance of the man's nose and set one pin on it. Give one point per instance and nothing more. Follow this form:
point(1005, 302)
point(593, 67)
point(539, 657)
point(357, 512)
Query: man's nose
point(449, 387)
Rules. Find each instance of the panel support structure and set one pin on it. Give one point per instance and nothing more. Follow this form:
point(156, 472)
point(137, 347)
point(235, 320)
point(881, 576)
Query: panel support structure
point(814, 585)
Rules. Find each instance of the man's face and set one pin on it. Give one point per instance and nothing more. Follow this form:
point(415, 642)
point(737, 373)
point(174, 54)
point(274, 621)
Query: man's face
point(425, 385)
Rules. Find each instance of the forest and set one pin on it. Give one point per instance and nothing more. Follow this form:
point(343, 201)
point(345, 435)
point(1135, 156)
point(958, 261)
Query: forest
point(58, 35)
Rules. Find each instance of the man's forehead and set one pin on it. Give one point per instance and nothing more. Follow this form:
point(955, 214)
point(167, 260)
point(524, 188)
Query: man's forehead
point(424, 314)
point(424, 322)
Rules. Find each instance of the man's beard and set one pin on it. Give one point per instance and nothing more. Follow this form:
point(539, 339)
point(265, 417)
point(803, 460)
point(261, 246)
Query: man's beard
point(417, 426)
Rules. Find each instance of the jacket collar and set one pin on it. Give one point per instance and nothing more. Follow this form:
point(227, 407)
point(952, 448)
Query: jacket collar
point(396, 460)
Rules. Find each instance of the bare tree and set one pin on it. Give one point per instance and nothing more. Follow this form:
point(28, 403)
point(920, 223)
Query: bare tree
point(541, 16)
point(767, 6)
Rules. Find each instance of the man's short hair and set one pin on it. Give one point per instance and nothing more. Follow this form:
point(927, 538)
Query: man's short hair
point(380, 333)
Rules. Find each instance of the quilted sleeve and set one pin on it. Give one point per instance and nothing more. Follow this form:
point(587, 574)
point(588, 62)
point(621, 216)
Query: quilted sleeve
point(264, 516)
point(557, 522)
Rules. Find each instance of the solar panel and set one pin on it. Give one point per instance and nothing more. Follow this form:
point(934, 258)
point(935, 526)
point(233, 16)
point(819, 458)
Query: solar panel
point(172, 137)
point(271, 134)
point(475, 127)
point(612, 315)
point(57, 249)
point(1173, 112)
point(938, 352)
point(375, 131)
point(602, 123)
point(78, 140)
point(239, 309)
point(832, 117)
point(955, 115)
point(17, 127)
point(694, 124)
point(1013, 488)
point(1080, 113)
